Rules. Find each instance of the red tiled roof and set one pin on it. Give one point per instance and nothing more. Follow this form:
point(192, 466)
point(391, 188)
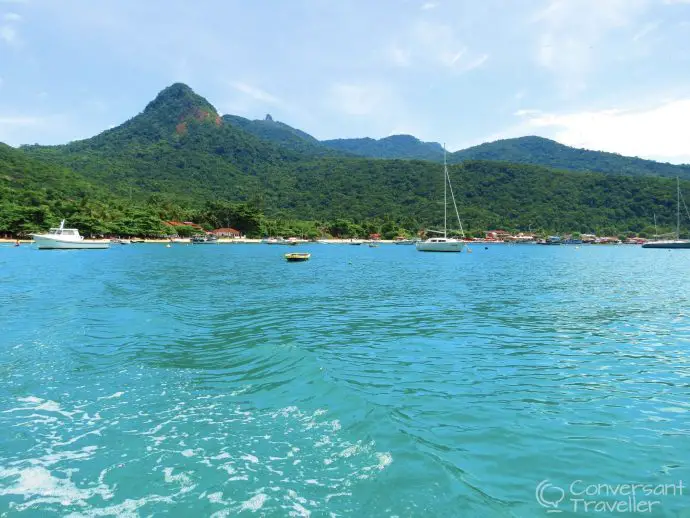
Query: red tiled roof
point(182, 224)
point(225, 231)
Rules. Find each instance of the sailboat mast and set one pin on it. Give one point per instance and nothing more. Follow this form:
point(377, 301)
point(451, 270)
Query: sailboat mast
point(678, 208)
point(445, 195)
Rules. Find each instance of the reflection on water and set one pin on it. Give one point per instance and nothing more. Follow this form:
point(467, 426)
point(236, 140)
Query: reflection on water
point(369, 382)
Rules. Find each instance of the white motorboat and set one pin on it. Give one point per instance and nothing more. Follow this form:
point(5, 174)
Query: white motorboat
point(120, 241)
point(445, 243)
point(62, 238)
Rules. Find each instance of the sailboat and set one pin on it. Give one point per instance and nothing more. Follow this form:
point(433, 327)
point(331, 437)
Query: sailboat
point(445, 243)
point(672, 243)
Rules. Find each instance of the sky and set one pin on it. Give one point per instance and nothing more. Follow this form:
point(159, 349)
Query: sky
point(611, 75)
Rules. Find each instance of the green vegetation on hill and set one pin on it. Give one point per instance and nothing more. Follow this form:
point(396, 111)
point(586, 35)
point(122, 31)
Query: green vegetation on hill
point(395, 146)
point(178, 160)
point(542, 151)
point(530, 150)
point(281, 134)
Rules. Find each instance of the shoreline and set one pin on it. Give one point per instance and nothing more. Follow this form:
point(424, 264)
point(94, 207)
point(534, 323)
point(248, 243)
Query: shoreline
point(362, 242)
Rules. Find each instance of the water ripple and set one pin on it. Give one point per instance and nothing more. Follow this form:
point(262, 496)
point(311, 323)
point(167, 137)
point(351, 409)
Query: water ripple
point(370, 382)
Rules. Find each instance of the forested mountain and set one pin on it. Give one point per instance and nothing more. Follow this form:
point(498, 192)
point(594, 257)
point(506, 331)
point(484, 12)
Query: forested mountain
point(35, 195)
point(523, 150)
point(179, 159)
point(179, 144)
point(542, 151)
point(395, 146)
point(282, 135)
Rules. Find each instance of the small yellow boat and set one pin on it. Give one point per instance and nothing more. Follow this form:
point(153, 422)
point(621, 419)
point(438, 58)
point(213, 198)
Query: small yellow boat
point(297, 257)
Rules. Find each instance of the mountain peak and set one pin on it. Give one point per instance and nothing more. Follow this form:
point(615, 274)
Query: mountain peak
point(180, 102)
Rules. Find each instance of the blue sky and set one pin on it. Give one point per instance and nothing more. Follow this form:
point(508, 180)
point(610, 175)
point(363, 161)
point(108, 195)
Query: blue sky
point(602, 74)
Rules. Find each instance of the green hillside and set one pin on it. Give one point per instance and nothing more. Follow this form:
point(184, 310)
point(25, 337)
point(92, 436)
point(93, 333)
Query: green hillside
point(542, 151)
point(531, 150)
point(395, 146)
point(35, 195)
point(179, 160)
point(177, 145)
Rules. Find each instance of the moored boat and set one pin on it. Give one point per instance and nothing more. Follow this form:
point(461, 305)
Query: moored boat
point(676, 243)
point(440, 244)
point(296, 257)
point(204, 240)
point(62, 238)
point(445, 243)
point(551, 240)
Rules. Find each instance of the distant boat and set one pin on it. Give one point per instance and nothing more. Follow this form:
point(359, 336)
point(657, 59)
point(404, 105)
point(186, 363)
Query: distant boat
point(295, 257)
point(280, 241)
point(62, 238)
point(373, 244)
point(405, 241)
point(356, 242)
point(118, 241)
point(445, 243)
point(551, 240)
point(205, 240)
point(677, 242)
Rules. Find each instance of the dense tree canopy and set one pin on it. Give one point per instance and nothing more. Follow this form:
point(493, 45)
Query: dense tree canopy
point(180, 161)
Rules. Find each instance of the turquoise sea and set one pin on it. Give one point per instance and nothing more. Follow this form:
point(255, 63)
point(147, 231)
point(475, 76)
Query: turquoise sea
point(221, 380)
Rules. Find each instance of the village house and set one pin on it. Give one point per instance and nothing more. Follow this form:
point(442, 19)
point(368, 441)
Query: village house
point(497, 235)
point(227, 232)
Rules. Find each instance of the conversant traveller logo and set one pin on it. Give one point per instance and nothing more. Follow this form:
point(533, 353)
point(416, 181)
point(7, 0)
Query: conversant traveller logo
point(585, 497)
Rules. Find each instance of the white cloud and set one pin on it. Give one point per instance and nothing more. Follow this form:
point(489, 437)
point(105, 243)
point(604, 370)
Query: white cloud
point(11, 17)
point(571, 32)
point(358, 99)
point(428, 6)
point(659, 133)
point(399, 56)
point(476, 63)
point(9, 122)
point(9, 35)
point(646, 30)
point(433, 44)
point(254, 92)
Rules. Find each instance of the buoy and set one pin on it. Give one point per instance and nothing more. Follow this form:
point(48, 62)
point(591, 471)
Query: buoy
point(167, 246)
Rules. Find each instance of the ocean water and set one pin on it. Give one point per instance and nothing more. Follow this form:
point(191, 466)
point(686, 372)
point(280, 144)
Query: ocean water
point(222, 381)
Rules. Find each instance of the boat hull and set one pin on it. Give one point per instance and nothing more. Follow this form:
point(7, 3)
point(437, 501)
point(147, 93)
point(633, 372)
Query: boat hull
point(448, 246)
point(297, 257)
point(667, 244)
point(55, 244)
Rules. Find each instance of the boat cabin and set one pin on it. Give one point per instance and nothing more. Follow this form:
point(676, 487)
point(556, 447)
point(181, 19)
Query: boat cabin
point(64, 232)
